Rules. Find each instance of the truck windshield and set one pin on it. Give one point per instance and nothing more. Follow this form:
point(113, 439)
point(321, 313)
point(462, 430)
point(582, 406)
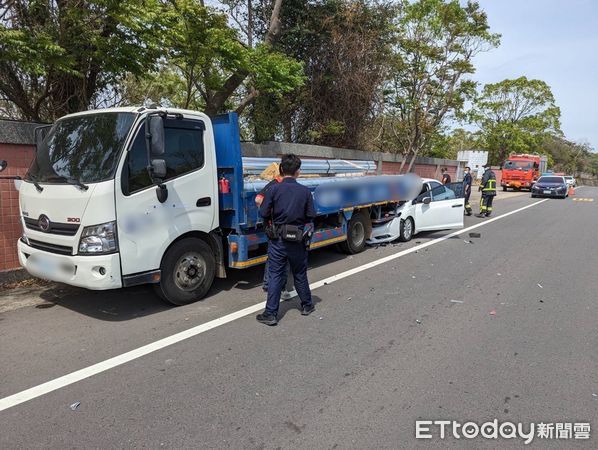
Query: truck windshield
point(512, 165)
point(550, 180)
point(83, 148)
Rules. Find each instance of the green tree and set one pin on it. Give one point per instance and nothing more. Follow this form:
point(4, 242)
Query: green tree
point(516, 116)
point(58, 57)
point(345, 47)
point(437, 41)
point(448, 145)
point(208, 66)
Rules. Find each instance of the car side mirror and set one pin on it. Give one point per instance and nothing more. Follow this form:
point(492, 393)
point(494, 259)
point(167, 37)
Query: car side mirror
point(3, 165)
point(155, 135)
point(426, 200)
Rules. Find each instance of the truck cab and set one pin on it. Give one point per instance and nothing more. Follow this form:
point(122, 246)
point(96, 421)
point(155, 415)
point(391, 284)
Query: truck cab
point(106, 183)
point(521, 171)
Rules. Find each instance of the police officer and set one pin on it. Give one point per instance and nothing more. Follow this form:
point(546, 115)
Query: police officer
point(488, 188)
point(467, 180)
point(290, 207)
point(446, 178)
point(259, 198)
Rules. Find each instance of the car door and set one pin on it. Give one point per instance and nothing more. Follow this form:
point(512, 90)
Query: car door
point(444, 210)
point(146, 227)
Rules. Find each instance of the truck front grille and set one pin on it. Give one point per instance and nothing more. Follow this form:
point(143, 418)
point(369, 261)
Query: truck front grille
point(51, 248)
point(63, 229)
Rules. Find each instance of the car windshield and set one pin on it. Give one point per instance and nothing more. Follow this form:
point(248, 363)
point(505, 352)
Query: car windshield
point(511, 165)
point(568, 178)
point(550, 180)
point(83, 148)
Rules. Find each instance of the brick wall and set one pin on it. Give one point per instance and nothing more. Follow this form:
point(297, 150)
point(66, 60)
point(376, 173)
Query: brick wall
point(423, 170)
point(19, 158)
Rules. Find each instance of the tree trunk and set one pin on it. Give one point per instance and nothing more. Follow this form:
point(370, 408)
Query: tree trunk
point(216, 102)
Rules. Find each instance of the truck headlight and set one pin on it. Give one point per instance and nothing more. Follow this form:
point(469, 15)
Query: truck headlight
point(98, 239)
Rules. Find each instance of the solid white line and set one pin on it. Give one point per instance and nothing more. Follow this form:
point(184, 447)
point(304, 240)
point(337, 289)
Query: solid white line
point(73, 377)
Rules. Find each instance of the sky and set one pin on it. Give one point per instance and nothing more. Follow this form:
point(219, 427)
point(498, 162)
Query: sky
point(551, 40)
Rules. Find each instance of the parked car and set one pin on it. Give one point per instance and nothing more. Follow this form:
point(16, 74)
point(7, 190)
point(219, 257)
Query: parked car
point(550, 186)
point(571, 181)
point(437, 207)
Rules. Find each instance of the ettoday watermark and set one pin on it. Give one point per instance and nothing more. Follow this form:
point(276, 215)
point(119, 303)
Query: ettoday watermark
point(430, 429)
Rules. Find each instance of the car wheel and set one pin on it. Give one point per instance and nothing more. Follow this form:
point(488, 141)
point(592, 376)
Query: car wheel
point(534, 196)
point(188, 269)
point(407, 229)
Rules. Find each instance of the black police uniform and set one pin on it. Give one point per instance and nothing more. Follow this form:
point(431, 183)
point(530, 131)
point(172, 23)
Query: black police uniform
point(467, 181)
point(287, 203)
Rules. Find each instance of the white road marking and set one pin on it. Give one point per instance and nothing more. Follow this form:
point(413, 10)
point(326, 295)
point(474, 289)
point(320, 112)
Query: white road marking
point(111, 363)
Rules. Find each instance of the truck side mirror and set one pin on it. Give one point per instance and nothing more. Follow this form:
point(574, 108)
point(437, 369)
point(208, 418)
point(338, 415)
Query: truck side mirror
point(155, 132)
point(3, 165)
point(158, 168)
point(39, 134)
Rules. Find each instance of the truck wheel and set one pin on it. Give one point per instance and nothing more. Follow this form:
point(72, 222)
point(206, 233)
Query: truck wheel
point(188, 270)
point(407, 228)
point(358, 230)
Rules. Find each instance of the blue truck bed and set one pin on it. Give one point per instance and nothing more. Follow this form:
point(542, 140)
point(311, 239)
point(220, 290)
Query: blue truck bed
point(239, 218)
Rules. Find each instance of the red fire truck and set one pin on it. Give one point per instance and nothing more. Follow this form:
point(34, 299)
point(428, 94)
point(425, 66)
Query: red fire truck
point(521, 171)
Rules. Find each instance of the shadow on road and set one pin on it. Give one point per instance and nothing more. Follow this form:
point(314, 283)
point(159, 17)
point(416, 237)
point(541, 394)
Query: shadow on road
point(139, 301)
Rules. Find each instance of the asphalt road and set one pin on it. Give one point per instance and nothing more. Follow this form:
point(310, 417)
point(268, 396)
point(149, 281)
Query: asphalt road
point(503, 327)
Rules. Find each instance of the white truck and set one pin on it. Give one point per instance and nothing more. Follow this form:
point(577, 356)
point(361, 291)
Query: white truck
point(127, 196)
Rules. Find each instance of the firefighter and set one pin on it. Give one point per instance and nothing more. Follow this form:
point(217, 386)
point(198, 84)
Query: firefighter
point(488, 188)
point(467, 180)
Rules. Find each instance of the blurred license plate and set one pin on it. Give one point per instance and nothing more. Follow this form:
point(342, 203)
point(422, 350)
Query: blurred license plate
point(547, 192)
point(45, 265)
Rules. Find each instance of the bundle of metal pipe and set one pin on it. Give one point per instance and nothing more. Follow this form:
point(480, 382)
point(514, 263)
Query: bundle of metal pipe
point(330, 167)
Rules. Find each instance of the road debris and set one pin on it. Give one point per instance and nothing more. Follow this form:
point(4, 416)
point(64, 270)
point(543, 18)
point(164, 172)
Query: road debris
point(541, 301)
point(320, 318)
point(493, 312)
point(456, 301)
point(348, 298)
point(413, 276)
point(467, 242)
point(475, 235)
point(498, 274)
point(418, 321)
point(75, 406)
point(540, 286)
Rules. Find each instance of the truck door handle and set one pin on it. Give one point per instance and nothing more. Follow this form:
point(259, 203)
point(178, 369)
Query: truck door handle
point(204, 201)
point(458, 206)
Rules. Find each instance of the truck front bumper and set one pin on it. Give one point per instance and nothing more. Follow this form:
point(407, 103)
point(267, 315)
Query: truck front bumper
point(516, 184)
point(91, 272)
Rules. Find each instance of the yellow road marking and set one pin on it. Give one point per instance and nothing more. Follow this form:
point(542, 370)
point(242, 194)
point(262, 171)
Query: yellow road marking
point(583, 199)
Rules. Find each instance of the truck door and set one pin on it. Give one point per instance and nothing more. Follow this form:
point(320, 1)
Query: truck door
point(445, 210)
point(147, 227)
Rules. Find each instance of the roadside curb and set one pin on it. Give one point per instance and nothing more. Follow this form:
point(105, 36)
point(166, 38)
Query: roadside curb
point(14, 276)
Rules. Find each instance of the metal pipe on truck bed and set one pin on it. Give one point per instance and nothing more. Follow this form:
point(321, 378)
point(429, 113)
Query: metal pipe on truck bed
point(255, 166)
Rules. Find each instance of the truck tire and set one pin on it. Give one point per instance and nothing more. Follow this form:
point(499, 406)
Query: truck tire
point(358, 230)
point(188, 269)
point(406, 230)
point(504, 189)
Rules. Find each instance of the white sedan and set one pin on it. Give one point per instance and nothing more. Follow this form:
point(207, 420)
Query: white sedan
point(437, 207)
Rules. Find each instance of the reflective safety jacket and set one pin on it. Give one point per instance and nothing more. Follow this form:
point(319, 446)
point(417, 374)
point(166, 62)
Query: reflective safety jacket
point(488, 183)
